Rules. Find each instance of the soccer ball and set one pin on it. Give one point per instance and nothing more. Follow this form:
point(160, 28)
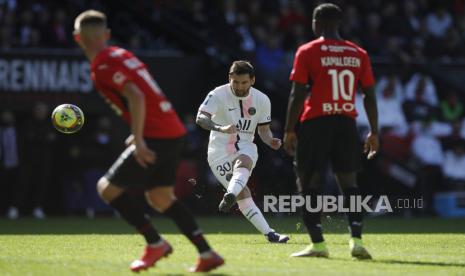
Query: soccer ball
point(67, 118)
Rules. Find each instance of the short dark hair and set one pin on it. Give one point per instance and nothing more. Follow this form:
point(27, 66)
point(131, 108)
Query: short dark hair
point(242, 67)
point(89, 18)
point(327, 12)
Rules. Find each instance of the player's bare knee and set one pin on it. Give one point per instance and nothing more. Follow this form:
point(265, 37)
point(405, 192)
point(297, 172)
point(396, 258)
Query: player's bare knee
point(102, 184)
point(107, 191)
point(245, 193)
point(243, 161)
point(160, 199)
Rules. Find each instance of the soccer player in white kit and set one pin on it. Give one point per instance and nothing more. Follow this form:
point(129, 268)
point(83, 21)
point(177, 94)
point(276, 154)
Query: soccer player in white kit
point(232, 112)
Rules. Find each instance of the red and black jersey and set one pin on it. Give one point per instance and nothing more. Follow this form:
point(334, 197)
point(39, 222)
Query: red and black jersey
point(334, 68)
point(111, 69)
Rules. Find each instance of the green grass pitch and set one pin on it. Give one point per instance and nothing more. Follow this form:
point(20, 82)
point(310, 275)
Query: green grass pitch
point(106, 246)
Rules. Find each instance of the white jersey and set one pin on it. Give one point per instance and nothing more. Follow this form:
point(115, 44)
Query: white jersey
point(245, 112)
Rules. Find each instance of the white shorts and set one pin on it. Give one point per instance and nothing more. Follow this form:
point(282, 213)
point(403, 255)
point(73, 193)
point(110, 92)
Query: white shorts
point(222, 165)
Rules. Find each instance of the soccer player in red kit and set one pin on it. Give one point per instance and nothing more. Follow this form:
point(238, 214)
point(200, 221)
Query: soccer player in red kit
point(334, 68)
point(153, 150)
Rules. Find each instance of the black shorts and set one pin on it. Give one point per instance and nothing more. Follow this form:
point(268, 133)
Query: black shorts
point(328, 139)
point(127, 173)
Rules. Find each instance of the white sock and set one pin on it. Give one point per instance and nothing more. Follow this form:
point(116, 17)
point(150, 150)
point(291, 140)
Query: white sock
point(238, 180)
point(254, 215)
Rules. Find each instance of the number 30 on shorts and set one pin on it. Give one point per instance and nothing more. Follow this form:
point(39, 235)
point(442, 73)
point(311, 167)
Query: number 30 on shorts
point(223, 169)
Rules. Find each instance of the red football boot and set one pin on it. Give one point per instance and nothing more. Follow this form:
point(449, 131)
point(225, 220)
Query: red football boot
point(151, 256)
point(207, 264)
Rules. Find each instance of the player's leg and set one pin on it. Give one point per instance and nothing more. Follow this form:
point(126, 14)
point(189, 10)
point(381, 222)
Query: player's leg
point(347, 182)
point(241, 172)
point(250, 210)
point(313, 146)
point(124, 173)
point(160, 195)
point(346, 159)
point(310, 188)
point(129, 209)
point(348, 185)
point(162, 199)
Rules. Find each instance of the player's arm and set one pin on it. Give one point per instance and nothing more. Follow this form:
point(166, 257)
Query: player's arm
point(294, 108)
point(266, 135)
point(371, 109)
point(136, 105)
point(204, 120)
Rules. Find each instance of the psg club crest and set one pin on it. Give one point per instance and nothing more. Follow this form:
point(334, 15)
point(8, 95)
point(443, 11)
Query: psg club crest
point(252, 111)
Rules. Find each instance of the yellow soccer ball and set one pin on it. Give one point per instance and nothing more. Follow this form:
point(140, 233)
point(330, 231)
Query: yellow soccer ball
point(67, 118)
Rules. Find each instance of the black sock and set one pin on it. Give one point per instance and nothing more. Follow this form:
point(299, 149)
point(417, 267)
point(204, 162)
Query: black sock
point(312, 219)
point(186, 223)
point(133, 213)
point(355, 218)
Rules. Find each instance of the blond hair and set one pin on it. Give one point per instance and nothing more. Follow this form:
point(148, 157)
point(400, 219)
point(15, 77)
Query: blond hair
point(90, 17)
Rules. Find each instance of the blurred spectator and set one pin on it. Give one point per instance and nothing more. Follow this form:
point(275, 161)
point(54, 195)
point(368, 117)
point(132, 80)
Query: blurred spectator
point(362, 119)
point(292, 13)
point(390, 107)
point(455, 137)
point(439, 21)
point(248, 44)
point(195, 138)
point(38, 137)
point(454, 167)
point(410, 22)
point(421, 99)
point(88, 160)
point(451, 108)
point(427, 152)
point(421, 87)
point(9, 159)
point(393, 82)
point(401, 30)
point(372, 38)
point(391, 19)
point(26, 29)
point(60, 37)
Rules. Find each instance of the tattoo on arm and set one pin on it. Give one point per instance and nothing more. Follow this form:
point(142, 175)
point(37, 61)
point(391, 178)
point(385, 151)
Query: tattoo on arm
point(294, 107)
point(204, 120)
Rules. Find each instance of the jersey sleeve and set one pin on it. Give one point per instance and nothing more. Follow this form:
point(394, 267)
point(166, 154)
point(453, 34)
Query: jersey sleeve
point(210, 104)
point(366, 77)
point(300, 71)
point(265, 115)
point(113, 74)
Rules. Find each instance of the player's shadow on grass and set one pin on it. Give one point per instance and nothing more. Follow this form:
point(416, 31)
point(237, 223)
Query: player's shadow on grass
point(402, 262)
point(209, 274)
point(417, 263)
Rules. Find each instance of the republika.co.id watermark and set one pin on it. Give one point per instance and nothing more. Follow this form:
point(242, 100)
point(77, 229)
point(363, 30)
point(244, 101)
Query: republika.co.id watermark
point(330, 203)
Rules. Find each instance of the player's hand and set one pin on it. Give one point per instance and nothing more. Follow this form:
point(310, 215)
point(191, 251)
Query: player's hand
point(229, 129)
point(371, 145)
point(290, 142)
point(143, 154)
point(275, 143)
point(129, 141)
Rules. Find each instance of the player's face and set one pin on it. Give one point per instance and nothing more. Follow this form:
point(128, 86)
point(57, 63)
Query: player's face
point(241, 84)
